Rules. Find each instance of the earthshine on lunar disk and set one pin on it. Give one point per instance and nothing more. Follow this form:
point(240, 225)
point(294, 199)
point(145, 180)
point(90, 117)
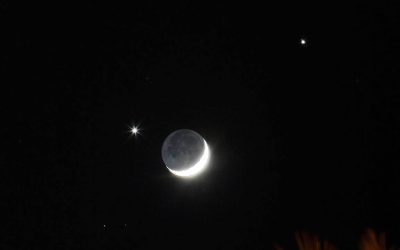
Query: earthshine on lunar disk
point(185, 153)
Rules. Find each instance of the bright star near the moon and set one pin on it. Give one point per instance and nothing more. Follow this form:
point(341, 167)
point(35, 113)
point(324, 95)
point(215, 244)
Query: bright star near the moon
point(134, 130)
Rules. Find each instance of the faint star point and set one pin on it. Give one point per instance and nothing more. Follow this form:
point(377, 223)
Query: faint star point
point(303, 41)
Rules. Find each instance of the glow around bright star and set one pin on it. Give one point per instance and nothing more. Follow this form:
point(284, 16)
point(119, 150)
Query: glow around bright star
point(303, 41)
point(196, 168)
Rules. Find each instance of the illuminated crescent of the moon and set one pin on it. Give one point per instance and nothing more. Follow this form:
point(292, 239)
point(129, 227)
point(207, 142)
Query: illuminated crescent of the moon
point(196, 168)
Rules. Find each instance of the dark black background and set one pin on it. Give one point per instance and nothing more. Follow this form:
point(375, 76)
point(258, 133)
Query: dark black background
point(302, 137)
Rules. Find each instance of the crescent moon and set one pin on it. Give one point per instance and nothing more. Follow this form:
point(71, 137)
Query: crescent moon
point(196, 168)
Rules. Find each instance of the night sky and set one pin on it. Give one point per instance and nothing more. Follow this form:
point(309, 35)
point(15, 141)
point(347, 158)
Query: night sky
point(303, 136)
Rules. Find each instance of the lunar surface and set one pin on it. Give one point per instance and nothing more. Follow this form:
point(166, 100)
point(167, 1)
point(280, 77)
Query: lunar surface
point(185, 152)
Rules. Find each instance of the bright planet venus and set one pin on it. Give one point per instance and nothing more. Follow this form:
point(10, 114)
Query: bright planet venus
point(185, 153)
